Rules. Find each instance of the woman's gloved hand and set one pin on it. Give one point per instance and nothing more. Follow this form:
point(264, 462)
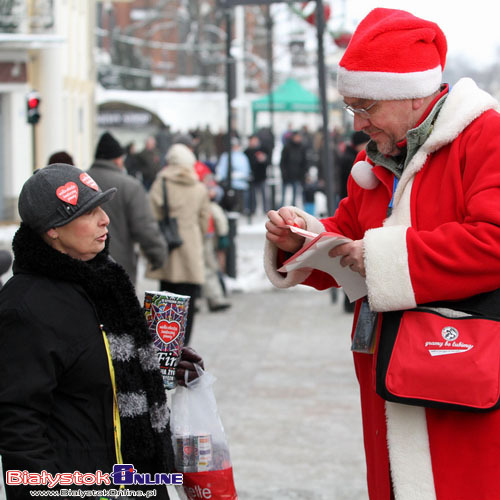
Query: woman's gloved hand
point(189, 357)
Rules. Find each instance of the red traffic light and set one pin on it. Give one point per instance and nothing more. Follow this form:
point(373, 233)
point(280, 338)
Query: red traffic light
point(33, 102)
point(32, 105)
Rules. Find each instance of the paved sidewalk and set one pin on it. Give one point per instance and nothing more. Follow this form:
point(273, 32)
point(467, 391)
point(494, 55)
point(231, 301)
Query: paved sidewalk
point(287, 395)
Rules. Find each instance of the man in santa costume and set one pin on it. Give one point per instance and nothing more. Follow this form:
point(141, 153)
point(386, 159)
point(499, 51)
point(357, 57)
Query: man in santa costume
point(423, 211)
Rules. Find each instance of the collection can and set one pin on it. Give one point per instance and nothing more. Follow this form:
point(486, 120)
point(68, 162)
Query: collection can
point(166, 316)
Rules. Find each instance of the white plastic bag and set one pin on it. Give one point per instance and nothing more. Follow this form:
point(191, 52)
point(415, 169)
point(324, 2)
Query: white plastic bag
point(199, 441)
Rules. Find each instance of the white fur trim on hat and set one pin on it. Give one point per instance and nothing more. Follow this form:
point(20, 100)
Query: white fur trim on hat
point(384, 86)
point(363, 175)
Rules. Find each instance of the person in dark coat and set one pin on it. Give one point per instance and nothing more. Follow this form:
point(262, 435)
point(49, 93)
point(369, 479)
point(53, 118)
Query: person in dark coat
point(259, 160)
point(149, 162)
point(132, 220)
point(131, 164)
point(80, 385)
point(293, 166)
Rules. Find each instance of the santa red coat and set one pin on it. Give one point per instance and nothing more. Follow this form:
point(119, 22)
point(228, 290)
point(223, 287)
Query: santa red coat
point(441, 242)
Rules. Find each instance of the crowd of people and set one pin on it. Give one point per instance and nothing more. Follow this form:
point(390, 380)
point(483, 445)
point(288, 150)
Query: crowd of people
point(257, 185)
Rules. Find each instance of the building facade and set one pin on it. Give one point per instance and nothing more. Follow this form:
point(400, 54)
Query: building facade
point(46, 46)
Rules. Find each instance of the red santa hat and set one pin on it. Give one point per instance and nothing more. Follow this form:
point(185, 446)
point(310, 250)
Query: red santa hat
point(392, 55)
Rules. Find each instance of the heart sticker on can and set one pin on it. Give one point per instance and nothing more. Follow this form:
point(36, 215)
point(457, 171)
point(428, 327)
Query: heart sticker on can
point(68, 193)
point(88, 181)
point(168, 331)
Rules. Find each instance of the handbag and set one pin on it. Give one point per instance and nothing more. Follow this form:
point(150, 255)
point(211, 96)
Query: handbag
point(168, 225)
point(443, 355)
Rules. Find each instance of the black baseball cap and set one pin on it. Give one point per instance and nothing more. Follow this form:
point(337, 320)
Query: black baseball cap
point(57, 194)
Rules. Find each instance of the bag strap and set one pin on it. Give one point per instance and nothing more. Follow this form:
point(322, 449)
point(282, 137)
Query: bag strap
point(483, 304)
point(165, 201)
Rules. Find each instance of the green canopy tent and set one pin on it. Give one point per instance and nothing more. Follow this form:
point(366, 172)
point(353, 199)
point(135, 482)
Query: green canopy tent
point(290, 96)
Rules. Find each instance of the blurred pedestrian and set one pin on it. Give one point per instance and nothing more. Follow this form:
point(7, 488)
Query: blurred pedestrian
point(149, 162)
point(259, 161)
point(132, 221)
point(184, 270)
point(287, 134)
point(240, 175)
point(214, 289)
point(266, 138)
point(311, 187)
point(308, 143)
point(207, 148)
point(220, 143)
point(293, 165)
point(80, 389)
point(163, 140)
point(60, 157)
point(131, 163)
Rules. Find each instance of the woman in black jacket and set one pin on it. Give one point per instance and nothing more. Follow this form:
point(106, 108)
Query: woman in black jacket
point(80, 387)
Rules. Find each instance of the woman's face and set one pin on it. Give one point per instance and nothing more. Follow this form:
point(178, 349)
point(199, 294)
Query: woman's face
point(82, 238)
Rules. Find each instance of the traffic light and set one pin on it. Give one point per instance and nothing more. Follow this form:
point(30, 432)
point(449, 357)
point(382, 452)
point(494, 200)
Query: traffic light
point(33, 105)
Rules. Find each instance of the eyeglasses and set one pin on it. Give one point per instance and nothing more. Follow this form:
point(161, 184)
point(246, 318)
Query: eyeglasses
point(362, 112)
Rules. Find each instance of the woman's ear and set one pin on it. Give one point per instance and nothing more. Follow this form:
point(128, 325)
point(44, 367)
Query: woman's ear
point(52, 233)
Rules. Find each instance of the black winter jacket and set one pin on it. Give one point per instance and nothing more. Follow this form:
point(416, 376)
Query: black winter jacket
point(293, 163)
point(56, 396)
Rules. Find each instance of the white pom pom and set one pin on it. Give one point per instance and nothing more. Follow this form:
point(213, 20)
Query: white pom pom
point(363, 176)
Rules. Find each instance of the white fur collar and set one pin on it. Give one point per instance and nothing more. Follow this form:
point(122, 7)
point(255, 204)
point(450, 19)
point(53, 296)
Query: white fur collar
point(465, 102)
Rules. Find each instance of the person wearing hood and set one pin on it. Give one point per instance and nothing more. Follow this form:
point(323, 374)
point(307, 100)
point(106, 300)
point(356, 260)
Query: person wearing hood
point(81, 387)
point(188, 202)
point(131, 219)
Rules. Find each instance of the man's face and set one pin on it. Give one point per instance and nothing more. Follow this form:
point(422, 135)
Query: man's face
point(386, 122)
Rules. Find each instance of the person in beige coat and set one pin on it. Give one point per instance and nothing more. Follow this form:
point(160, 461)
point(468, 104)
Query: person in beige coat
point(184, 271)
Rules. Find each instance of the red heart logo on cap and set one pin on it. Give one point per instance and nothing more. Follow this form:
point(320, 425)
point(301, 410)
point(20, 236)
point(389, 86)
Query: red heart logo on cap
point(88, 181)
point(68, 193)
point(168, 331)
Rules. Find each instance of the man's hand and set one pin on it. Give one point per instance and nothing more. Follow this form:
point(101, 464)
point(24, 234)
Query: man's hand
point(279, 234)
point(352, 256)
point(186, 364)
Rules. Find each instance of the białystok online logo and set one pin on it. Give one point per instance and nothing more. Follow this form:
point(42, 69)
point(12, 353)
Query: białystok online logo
point(123, 474)
point(126, 474)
